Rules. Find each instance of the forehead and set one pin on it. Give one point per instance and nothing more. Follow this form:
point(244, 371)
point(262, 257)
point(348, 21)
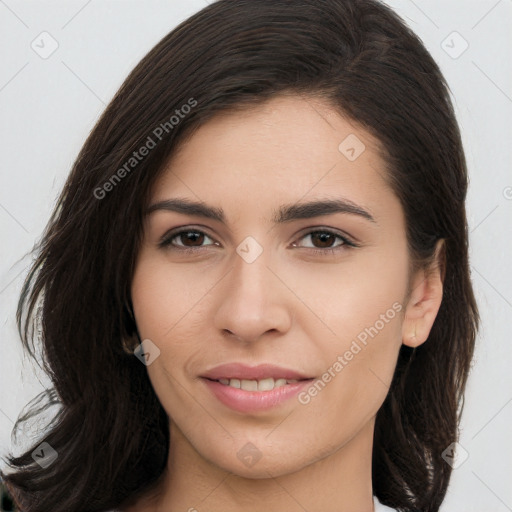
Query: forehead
point(286, 149)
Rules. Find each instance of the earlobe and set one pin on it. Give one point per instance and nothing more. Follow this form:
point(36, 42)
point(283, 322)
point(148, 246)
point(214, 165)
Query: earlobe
point(425, 300)
point(411, 339)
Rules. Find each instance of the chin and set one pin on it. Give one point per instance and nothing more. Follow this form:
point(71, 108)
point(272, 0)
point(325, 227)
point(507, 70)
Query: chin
point(251, 463)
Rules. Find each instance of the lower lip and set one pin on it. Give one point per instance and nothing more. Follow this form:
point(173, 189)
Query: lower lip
point(250, 401)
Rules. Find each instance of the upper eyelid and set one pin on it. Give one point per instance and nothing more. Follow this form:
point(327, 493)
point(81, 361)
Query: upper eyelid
point(178, 231)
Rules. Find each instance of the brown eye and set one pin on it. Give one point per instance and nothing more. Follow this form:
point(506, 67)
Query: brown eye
point(186, 239)
point(191, 238)
point(322, 239)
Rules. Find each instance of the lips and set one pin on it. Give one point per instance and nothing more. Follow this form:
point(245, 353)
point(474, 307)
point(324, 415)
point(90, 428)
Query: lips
point(252, 389)
point(255, 373)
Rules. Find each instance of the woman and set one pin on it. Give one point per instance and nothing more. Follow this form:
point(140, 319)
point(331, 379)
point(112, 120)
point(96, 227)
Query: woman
point(254, 293)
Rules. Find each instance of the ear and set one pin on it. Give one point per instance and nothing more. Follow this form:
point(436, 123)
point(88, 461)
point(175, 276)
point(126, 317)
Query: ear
point(424, 299)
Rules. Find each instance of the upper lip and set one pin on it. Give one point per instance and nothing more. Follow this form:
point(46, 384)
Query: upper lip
point(262, 371)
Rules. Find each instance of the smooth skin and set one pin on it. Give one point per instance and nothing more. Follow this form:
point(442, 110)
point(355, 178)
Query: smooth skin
point(297, 305)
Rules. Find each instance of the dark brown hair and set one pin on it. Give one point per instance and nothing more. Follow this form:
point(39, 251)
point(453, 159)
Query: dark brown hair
point(111, 433)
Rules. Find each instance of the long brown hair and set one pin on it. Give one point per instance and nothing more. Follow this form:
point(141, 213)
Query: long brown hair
point(111, 433)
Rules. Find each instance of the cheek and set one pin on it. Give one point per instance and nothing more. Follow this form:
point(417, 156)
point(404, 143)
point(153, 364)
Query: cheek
point(163, 300)
point(166, 298)
point(171, 308)
point(338, 301)
point(357, 329)
point(369, 325)
point(358, 372)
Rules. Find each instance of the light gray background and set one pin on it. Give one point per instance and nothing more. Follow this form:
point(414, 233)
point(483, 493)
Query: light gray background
point(48, 106)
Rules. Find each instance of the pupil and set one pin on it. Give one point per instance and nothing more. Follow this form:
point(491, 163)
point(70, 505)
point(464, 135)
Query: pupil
point(192, 236)
point(323, 238)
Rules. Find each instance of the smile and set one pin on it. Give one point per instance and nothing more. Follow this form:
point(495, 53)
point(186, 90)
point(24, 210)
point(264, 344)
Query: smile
point(267, 384)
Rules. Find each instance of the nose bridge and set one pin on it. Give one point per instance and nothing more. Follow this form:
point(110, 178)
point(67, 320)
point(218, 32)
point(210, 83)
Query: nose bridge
point(251, 302)
point(250, 282)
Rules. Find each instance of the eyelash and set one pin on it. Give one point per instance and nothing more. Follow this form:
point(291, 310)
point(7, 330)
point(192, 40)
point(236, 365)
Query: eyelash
point(166, 242)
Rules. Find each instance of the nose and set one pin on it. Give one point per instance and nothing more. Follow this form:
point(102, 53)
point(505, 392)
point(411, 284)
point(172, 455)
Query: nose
point(252, 301)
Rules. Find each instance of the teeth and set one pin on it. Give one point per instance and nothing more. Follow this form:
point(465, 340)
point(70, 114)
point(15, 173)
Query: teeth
point(233, 382)
point(257, 385)
point(249, 385)
point(266, 384)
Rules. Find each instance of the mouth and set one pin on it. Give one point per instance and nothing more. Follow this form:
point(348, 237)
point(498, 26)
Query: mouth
point(266, 384)
point(252, 389)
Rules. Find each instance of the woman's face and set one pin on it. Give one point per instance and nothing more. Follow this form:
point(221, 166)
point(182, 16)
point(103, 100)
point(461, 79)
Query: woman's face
point(262, 276)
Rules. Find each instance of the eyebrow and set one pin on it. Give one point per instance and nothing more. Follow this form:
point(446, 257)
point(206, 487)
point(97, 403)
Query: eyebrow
point(286, 213)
